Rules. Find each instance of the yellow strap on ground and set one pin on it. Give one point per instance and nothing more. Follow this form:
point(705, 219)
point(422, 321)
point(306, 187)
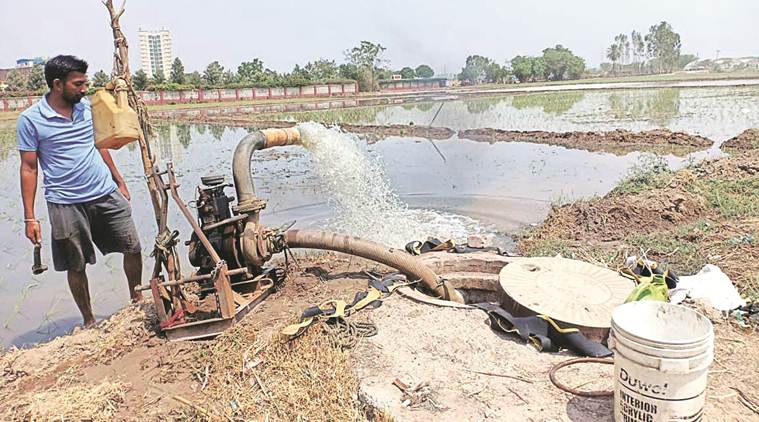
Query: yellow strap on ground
point(509, 329)
point(372, 295)
point(392, 288)
point(536, 343)
point(628, 273)
point(337, 305)
point(293, 329)
point(556, 326)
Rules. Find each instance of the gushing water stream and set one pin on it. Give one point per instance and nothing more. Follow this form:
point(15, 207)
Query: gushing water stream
point(362, 201)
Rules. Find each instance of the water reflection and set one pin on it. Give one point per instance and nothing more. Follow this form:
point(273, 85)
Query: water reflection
point(550, 103)
point(659, 107)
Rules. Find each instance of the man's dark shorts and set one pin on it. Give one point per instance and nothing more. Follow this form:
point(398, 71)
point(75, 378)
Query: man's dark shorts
point(106, 221)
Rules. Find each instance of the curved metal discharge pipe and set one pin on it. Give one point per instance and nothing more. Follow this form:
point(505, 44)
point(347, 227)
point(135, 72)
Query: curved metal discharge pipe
point(255, 249)
point(395, 258)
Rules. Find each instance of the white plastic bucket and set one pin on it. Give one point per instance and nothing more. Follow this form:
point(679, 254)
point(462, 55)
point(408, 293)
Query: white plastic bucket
point(661, 356)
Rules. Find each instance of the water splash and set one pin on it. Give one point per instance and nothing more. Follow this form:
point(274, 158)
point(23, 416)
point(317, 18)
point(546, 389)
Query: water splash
point(362, 201)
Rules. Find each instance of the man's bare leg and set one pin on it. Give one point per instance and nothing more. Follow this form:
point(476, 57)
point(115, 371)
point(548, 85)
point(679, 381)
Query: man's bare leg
point(81, 292)
point(133, 271)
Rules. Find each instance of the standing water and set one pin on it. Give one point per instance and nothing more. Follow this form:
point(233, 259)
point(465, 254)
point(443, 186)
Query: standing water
point(362, 201)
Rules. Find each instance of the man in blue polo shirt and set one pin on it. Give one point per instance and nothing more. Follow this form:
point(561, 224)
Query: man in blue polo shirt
point(87, 199)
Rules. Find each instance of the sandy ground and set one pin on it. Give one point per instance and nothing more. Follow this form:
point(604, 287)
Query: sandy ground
point(421, 343)
point(415, 343)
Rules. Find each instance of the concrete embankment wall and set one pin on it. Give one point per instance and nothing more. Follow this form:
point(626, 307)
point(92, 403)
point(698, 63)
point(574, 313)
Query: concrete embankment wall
point(214, 95)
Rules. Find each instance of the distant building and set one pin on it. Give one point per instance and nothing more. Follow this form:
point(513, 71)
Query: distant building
point(155, 51)
point(22, 63)
point(724, 64)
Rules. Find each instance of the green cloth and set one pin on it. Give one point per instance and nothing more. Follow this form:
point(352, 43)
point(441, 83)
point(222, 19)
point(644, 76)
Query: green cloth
point(653, 289)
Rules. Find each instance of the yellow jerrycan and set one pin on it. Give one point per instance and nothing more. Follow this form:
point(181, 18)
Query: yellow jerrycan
point(116, 124)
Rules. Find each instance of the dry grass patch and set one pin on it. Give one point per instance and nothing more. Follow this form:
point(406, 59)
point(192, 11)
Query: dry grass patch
point(70, 400)
point(308, 378)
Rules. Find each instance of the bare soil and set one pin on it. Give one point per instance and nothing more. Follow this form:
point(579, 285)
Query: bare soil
point(745, 141)
point(704, 214)
point(619, 142)
point(468, 371)
point(384, 131)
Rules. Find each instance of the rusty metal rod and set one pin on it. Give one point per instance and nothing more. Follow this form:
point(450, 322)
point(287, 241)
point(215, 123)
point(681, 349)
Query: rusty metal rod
point(229, 220)
point(190, 279)
point(188, 215)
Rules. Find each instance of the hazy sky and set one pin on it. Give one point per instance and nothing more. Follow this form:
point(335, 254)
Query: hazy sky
point(440, 33)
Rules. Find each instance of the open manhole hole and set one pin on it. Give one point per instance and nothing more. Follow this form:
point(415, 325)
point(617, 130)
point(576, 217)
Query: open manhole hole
point(573, 293)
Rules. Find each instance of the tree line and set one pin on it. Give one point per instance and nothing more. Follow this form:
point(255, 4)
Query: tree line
point(364, 63)
point(656, 52)
point(555, 64)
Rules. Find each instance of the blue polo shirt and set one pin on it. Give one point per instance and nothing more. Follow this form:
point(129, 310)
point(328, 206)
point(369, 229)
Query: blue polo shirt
point(72, 169)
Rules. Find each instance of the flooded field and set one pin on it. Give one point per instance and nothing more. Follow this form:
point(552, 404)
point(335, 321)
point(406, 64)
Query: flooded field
point(466, 187)
point(716, 113)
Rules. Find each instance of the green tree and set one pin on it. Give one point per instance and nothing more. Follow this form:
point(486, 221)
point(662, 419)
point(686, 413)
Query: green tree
point(16, 81)
point(229, 78)
point(562, 64)
point(158, 77)
point(613, 54)
point(528, 69)
point(214, 74)
point(476, 69)
point(100, 78)
point(407, 73)
point(194, 79)
point(521, 67)
point(140, 80)
point(638, 49)
point(348, 71)
point(298, 75)
point(251, 72)
point(177, 71)
point(424, 71)
point(321, 70)
point(624, 48)
point(271, 77)
point(36, 80)
point(663, 44)
point(367, 56)
point(496, 73)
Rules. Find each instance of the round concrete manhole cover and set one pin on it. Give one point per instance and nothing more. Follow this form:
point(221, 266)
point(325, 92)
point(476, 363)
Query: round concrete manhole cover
point(567, 290)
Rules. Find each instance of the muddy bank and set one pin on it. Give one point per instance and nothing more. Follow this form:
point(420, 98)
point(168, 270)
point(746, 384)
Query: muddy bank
point(619, 142)
point(384, 131)
point(746, 141)
point(703, 214)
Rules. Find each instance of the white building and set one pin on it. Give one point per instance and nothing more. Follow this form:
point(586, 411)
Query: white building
point(155, 51)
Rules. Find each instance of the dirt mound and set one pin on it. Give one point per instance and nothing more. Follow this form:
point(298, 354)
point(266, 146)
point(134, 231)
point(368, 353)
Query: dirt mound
point(699, 215)
point(747, 140)
point(740, 165)
point(384, 131)
point(615, 218)
point(619, 141)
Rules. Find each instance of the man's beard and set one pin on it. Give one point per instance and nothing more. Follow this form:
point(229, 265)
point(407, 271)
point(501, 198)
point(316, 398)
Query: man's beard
point(72, 98)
